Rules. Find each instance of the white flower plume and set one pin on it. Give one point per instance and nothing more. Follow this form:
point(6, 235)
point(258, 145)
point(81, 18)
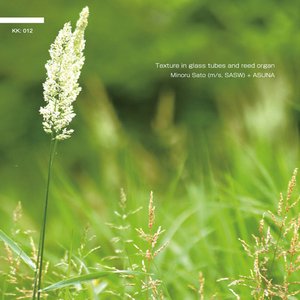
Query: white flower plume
point(61, 87)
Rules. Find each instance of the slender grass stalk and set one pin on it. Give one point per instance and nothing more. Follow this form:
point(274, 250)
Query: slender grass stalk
point(151, 285)
point(40, 256)
point(150, 253)
point(279, 238)
point(61, 89)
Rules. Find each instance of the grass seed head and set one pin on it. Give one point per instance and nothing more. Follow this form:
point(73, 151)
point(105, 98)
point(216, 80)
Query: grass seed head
point(151, 211)
point(201, 286)
point(61, 87)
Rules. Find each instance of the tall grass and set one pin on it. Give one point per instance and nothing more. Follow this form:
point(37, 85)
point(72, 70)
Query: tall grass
point(60, 91)
point(203, 237)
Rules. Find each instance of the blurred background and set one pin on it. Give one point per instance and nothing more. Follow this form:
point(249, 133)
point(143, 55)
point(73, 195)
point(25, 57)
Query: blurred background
point(216, 152)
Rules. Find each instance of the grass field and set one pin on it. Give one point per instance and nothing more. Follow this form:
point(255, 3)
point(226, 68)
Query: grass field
point(205, 203)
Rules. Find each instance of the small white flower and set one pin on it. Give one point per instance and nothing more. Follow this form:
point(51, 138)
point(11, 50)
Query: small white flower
point(63, 70)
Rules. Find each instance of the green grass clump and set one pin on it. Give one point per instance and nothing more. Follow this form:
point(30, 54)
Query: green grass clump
point(127, 257)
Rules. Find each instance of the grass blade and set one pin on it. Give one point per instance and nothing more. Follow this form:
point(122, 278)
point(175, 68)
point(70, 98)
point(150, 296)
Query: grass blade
point(86, 278)
point(17, 250)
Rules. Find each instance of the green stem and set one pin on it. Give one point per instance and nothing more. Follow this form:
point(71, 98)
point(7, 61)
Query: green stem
point(276, 248)
point(40, 256)
point(149, 262)
point(163, 281)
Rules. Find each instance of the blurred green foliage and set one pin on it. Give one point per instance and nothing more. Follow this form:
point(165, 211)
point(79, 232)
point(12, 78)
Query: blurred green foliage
point(226, 147)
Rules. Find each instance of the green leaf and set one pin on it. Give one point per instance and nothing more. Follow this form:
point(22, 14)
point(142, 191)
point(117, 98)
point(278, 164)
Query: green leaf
point(17, 250)
point(86, 278)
